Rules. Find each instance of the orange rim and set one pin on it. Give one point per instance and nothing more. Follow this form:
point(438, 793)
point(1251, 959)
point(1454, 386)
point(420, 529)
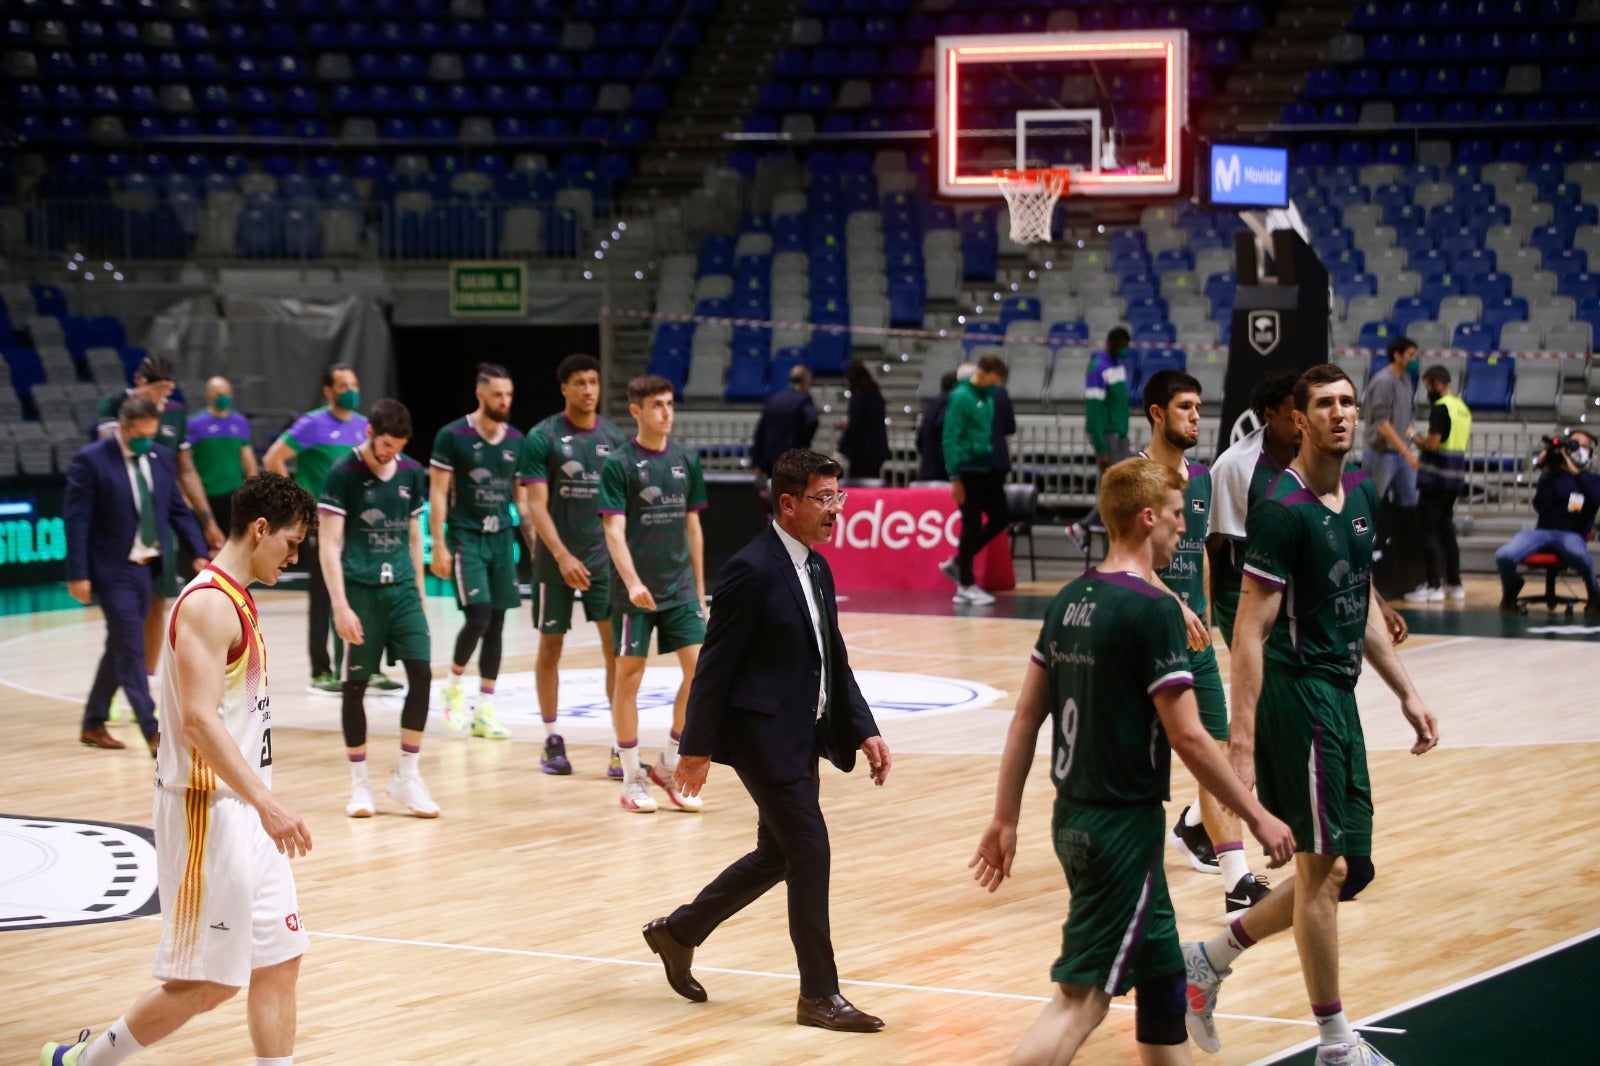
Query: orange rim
point(1046, 176)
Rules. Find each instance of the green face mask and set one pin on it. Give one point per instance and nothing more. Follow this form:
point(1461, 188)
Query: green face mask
point(222, 402)
point(1414, 366)
point(140, 445)
point(349, 399)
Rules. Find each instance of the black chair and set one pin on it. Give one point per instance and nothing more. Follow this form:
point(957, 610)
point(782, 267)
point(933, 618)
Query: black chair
point(1022, 505)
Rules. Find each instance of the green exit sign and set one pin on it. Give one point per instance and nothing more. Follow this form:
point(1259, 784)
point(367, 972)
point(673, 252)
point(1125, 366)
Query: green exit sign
point(478, 289)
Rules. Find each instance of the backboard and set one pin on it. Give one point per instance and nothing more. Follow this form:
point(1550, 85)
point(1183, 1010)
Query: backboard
point(1111, 106)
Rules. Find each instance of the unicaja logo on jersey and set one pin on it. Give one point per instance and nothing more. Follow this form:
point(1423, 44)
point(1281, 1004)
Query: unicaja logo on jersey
point(572, 468)
point(480, 475)
point(373, 516)
point(650, 494)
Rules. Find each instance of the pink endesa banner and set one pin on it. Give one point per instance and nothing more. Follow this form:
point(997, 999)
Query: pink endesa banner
point(896, 539)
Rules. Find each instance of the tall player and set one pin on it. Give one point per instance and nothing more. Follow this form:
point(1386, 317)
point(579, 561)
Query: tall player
point(1306, 621)
point(223, 839)
point(562, 524)
point(474, 470)
point(1172, 404)
point(371, 544)
point(651, 496)
point(1111, 672)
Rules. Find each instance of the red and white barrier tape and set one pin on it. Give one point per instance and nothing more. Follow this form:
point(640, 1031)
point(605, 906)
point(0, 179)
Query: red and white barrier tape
point(996, 341)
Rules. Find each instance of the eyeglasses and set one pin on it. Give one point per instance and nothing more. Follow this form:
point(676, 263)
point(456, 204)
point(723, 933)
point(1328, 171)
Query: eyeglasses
point(831, 501)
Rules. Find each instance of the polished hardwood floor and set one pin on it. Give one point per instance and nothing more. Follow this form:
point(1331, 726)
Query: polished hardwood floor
point(507, 931)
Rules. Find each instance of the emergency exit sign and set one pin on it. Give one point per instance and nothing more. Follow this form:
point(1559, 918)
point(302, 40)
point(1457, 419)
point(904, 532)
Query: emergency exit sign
point(484, 289)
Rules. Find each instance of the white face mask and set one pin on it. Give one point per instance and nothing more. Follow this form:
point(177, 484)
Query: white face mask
point(1581, 456)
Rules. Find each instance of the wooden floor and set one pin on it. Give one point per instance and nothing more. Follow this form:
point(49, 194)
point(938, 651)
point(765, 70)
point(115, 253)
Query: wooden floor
point(508, 929)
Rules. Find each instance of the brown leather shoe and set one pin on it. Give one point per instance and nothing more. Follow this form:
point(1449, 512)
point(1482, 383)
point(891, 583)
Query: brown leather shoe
point(97, 737)
point(676, 958)
point(154, 740)
point(835, 1012)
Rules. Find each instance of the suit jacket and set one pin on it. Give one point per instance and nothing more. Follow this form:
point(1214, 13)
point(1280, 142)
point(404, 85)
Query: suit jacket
point(789, 420)
point(753, 702)
point(102, 516)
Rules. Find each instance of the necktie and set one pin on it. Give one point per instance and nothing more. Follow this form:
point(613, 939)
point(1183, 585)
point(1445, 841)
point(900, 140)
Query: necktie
point(147, 508)
point(814, 571)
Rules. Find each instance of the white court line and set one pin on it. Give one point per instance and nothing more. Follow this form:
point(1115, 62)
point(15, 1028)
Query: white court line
point(33, 635)
point(1438, 993)
point(601, 960)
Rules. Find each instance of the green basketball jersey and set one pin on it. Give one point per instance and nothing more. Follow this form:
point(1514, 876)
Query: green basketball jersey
point(1323, 563)
point(1225, 584)
point(1186, 573)
point(1109, 643)
point(483, 475)
point(377, 517)
point(569, 460)
point(172, 430)
point(655, 491)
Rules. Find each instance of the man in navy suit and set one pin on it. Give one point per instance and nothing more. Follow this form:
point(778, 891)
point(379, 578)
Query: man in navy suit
point(773, 693)
point(789, 420)
point(122, 505)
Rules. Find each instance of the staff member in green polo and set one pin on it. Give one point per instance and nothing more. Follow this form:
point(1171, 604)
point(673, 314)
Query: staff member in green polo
point(1441, 477)
point(219, 438)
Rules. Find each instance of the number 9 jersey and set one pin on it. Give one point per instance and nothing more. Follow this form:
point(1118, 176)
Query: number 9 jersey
point(244, 708)
point(1109, 643)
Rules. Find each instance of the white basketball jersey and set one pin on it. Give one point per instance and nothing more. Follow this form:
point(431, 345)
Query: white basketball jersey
point(244, 708)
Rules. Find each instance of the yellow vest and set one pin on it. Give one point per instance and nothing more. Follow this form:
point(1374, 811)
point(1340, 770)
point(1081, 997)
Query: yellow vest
point(1448, 465)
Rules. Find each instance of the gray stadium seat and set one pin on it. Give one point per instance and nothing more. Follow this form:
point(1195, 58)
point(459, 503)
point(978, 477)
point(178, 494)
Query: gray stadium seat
point(1428, 335)
point(1521, 337)
point(1569, 337)
point(1538, 387)
point(705, 379)
point(1067, 377)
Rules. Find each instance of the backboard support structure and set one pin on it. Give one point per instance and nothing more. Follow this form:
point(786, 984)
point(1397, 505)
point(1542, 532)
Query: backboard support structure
point(1128, 88)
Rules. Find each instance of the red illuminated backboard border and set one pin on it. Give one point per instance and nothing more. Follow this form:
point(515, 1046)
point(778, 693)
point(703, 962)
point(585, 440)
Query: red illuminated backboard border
point(1171, 46)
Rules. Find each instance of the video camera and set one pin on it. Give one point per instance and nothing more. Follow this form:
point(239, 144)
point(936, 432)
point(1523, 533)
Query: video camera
point(1556, 449)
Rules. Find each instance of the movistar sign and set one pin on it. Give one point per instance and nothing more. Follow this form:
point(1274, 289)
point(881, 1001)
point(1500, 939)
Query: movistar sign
point(1249, 177)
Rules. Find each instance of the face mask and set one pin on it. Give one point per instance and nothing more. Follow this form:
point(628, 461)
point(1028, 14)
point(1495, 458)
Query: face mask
point(349, 399)
point(1581, 456)
point(140, 445)
point(223, 402)
point(1414, 367)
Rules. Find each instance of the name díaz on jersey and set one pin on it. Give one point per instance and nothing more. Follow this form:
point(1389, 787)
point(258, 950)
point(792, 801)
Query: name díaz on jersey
point(1078, 614)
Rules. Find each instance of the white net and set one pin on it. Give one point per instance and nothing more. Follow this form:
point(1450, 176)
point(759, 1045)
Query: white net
point(1031, 196)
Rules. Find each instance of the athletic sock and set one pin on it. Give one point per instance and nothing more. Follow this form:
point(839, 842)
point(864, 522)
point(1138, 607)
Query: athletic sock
point(1234, 864)
point(669, 754)
point(1227, 945)
point(282, 1060)
point(1191, 815)
point(409, 758)
point(1332, 1025)
point(549, 728)
point(486, 686)
point(111, 1047)
point(358, 769)
point(630, 759)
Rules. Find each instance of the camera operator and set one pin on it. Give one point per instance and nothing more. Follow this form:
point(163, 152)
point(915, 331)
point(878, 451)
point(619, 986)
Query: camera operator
point(1566, 499)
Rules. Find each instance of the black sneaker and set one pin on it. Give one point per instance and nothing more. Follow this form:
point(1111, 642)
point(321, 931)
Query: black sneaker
point(1195, 845)
point(384, 683)
point(1247, 893)
point(554, 758)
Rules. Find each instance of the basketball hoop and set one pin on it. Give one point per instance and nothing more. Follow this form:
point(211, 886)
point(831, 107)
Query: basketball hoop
point(1031, 195)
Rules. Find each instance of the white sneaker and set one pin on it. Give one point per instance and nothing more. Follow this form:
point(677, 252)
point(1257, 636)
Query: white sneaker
point(636, 795)
point(361, 804)
point(948, 569)
point(1359, 1053)
point(973, 595)
point(663, 778)
point(455, 706)
point(1204, 980)
point(1455, 592)
point(412, 794)
point(1425, 593)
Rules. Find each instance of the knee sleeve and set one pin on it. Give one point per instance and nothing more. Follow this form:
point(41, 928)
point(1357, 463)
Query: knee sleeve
point(1359, 872)
point(353, 713)
point(477, 622)
point(1158, 1011)
point(493, 639)
point(414, 712)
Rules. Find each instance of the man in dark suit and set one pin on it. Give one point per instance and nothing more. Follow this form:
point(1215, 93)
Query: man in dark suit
point(789, 420)
point(773, 693)
point(121, 507)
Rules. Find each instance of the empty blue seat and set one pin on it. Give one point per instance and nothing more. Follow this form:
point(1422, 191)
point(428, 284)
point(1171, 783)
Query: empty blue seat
point(1475, 337)
point(1490, 381)
point(1377, 335)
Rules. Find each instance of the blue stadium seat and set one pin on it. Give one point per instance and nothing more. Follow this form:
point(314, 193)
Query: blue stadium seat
point(1377, 335)
point(1475, 337)
point(1490, 381)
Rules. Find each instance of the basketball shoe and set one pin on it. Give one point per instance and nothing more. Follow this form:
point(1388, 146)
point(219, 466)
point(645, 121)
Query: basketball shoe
point(636, 796)
point(384, 683)
point(663, 779)
point(1195, 845)
point(361, 804)
point(454, 697)
point(412, 794)
point(64, 1054)
point(554, 758)
point(1247, 893)
point(485, 723)
point(1358, 1053)
point(615, 768)
point(1204, 980)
